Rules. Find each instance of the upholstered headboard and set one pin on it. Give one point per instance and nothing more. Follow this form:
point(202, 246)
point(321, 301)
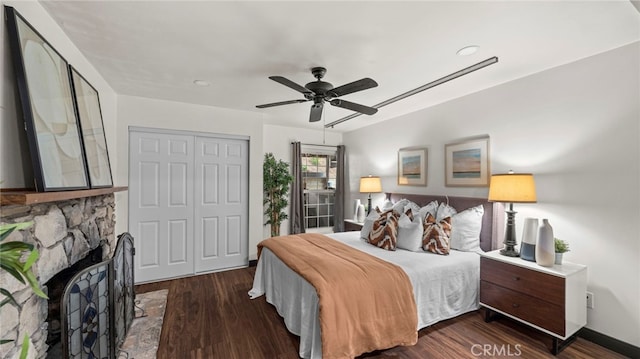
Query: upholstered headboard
point(492, 233)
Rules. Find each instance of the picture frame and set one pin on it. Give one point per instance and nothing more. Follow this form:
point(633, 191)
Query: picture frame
point(51, 124)
point(412, 166)
point(467, 163)
point(87, 106)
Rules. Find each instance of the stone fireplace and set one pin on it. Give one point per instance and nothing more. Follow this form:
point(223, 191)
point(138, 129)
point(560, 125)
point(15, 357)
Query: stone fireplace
point(64, 232)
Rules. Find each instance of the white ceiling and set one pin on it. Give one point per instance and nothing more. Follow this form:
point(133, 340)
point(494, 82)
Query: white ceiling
point(158, 48)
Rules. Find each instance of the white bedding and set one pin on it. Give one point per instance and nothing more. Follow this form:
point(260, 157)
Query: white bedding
point(443, 286)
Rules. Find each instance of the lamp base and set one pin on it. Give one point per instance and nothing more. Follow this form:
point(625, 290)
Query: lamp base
point(509, 252)
point(510, 235)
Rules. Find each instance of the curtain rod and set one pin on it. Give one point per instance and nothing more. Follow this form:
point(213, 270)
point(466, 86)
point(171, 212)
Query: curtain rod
point(470, 69)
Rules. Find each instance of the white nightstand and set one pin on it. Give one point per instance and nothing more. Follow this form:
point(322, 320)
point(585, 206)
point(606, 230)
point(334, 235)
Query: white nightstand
point(550, 299)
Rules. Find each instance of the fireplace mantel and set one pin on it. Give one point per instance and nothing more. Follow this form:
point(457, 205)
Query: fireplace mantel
point(29, 197)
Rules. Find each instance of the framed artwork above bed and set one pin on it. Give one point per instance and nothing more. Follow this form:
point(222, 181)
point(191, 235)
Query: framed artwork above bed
point(412, 166)
point(467, 163)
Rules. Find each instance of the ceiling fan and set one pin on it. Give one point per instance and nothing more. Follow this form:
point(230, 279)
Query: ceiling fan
point(319, 91)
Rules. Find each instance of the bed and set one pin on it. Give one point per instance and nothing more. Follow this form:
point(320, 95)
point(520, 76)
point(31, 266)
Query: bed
point(443, 286)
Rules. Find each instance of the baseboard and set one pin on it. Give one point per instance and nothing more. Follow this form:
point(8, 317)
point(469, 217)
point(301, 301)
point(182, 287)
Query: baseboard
point(610, 343)
point(253, 263)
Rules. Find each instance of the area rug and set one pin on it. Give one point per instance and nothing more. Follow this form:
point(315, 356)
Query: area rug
point(144, 336)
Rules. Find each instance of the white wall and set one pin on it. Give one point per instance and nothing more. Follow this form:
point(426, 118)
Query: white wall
point(152, 113)
point(577, 129)
point(15, 162)
point(277, 140)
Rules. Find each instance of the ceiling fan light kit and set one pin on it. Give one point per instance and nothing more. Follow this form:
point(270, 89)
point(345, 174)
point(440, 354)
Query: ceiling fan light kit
point(320, 92)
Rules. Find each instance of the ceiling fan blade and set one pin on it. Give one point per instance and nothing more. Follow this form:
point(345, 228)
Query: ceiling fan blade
point(291, 84)
point(355, 86)
point(354, 106)
point(316, 112)
point(280, 103)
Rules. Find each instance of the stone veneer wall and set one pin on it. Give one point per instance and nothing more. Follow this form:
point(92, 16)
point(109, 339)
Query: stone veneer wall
point(63, 232)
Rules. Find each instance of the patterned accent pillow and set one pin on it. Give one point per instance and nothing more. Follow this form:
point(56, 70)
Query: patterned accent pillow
point(435, 236)
point(384, 233)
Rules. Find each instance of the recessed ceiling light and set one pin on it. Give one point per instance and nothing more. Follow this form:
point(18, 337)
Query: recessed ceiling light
point(468, 50)
point(201, 82)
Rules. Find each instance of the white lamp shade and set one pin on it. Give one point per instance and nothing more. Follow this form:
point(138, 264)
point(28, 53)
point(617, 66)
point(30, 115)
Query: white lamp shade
point(370, 184)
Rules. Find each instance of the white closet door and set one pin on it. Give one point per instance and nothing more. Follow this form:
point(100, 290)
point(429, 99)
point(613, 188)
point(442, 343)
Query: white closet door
point(221, 203)
point(161, 204)
point(188, 203)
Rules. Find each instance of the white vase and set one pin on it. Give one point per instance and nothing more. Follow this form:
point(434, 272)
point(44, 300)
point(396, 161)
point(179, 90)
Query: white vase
point(361, 213)
point(529, 237)
point(545, 248)
point(355, 210)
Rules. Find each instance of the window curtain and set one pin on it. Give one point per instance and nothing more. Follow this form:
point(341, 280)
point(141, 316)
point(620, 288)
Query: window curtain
point(296, 219)
point(338, 204)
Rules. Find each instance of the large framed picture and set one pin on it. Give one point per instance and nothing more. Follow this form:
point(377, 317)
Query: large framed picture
point(412, 166)
point(44, 88)
point(92, 127)
point(467, 163)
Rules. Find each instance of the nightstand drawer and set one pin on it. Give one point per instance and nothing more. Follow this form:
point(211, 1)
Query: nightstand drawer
point(533, 310)
point(543, 286)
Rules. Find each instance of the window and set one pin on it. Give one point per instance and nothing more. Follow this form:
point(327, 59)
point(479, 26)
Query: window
point(319, 181)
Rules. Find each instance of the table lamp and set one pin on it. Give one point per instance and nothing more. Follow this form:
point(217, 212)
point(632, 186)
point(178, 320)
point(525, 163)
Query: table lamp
point(512, 188)
point(370, 184)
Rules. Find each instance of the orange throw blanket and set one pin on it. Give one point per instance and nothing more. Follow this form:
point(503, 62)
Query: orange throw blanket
point(365, 303)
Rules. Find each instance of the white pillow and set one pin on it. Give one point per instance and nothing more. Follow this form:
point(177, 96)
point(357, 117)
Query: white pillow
point(444, 211)
point(367, 226)
point(415, 209)
point(431, 207)
point(465, 230)
point(387, 205)
point(409, 233)
point(398, 207)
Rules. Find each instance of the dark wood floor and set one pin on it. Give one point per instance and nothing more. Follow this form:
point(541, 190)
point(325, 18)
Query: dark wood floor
point(211, 316)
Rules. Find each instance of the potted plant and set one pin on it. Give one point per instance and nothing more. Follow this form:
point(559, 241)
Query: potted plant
point(12, 260)
point(561, 247)
point(276, 179)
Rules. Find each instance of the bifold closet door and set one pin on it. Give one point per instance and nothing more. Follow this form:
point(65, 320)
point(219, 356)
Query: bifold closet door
point(188, 203)
point(221, 203)
point(161, 168)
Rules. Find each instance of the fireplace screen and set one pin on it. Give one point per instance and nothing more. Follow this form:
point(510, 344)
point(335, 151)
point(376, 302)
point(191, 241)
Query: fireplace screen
point(98, 306)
